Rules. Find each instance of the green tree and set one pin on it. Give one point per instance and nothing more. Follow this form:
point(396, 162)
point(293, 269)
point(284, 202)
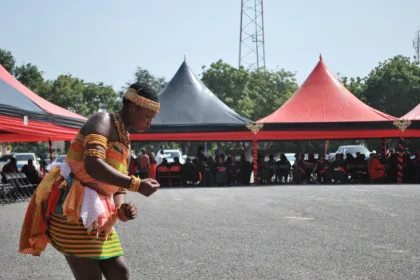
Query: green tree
point(144, 76)
point(29, 75)
point(269, 90)
point(80, 97)
point(7, 60)
point(355, 86)
point(253, 94)
point(66, 91)
point(393, 86)
point(229, 84)
point(100, 97)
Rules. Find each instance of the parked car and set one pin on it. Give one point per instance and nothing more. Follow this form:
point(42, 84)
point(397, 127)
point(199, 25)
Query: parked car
point(291, 158)
point(60, 158)
point(171, 154)
point(351, 149)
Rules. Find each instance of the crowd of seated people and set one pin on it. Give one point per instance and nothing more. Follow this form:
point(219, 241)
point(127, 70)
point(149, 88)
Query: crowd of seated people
point(205, 171)
point(18, 186)
point(341, 168)
point(28, 169)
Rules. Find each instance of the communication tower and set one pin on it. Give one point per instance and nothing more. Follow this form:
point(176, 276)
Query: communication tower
point(251, 38)
point(416, 46)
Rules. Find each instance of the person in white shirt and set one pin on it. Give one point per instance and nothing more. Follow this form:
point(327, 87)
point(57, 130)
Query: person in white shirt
point(160, 156)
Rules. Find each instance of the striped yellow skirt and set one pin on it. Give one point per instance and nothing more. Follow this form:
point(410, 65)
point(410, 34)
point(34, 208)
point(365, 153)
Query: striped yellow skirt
point(72, 239)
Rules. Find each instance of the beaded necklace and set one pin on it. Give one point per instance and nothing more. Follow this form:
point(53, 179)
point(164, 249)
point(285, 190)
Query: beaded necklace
point(122, 132)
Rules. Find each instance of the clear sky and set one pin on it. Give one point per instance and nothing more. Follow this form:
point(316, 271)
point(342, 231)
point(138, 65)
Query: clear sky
point(105, 40)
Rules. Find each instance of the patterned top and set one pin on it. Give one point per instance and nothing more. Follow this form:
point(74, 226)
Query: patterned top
point(116, 157)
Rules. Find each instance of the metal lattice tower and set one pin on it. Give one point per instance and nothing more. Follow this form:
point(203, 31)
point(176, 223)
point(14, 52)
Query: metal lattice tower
point(251, 40)
point(416, 46)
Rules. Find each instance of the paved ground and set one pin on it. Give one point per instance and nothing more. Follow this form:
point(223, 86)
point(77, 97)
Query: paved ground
point(285, 232)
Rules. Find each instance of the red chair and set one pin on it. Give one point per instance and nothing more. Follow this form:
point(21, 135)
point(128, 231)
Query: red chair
point(175, 175)
point(164, 175)
point(221, 176)
point(221, 169)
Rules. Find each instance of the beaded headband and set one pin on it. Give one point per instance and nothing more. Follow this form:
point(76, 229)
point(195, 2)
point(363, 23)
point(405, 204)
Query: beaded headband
point(131, 94)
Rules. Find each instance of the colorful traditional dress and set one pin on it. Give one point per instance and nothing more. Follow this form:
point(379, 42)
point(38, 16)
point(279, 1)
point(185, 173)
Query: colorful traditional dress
point(74, 212)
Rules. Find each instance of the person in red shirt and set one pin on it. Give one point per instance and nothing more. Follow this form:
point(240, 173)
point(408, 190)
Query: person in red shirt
point(153, 163)
point(143, 164)
point(376, 169)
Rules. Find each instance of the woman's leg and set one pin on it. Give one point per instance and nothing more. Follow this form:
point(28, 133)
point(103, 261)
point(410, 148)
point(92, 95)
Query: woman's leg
point(115, 269)
point(84, 269)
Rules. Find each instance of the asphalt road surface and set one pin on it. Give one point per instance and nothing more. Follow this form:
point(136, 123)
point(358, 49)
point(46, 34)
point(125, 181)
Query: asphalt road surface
point(282, 232)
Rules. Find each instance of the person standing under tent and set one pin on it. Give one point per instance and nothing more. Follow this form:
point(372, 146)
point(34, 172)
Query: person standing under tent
point(153, 163)
point(82, 198)
point(160, 156)
point(143, 164)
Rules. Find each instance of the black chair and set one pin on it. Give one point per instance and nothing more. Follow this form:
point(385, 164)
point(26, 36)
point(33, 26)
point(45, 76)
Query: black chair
point(17, 192)
point(5, 194)
point(25, 181)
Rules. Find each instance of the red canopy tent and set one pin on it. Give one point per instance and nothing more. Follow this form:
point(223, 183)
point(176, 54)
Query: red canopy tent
point(411, 121)
point(44, 119)
point(413, 115)
point(323, 108)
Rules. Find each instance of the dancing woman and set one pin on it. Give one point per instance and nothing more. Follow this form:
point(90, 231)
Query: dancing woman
point(77, 204)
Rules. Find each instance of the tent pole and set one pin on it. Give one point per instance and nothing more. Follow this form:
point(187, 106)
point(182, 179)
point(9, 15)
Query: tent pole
point(400, 172)
point(255, 167)
point(50, 149)
point(326, 145)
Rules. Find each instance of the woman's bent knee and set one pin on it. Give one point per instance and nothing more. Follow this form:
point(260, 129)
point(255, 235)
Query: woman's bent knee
point(84, 269)
point(115, 269)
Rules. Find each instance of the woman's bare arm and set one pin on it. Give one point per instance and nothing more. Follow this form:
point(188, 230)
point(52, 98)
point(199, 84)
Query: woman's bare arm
point(120, 199)
point(96, 167)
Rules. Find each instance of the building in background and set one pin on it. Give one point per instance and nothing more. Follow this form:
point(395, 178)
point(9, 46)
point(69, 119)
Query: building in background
point(4, 149)
point(58, 147)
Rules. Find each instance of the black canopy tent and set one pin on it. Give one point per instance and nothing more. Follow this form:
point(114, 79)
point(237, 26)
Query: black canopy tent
point(190, 111)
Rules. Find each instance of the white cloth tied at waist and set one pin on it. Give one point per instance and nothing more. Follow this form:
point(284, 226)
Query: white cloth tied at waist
point(92, 206)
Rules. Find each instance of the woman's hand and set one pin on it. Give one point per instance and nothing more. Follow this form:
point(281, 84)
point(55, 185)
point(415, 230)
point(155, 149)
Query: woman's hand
point(148, 187)
point(127, 212)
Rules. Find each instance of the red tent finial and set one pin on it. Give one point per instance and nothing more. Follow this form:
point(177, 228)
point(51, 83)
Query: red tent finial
point(320, 56)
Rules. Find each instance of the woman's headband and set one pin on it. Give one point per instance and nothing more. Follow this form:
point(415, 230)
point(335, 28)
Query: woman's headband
point(131, 94)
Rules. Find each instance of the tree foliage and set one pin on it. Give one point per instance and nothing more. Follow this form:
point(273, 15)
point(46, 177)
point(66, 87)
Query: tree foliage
point(144, 76)
point(253, 94)
point(393, 86)
point(355, 86)
point(29, 75)
point(7, 60)
point(78, 96)
point(228, 84)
